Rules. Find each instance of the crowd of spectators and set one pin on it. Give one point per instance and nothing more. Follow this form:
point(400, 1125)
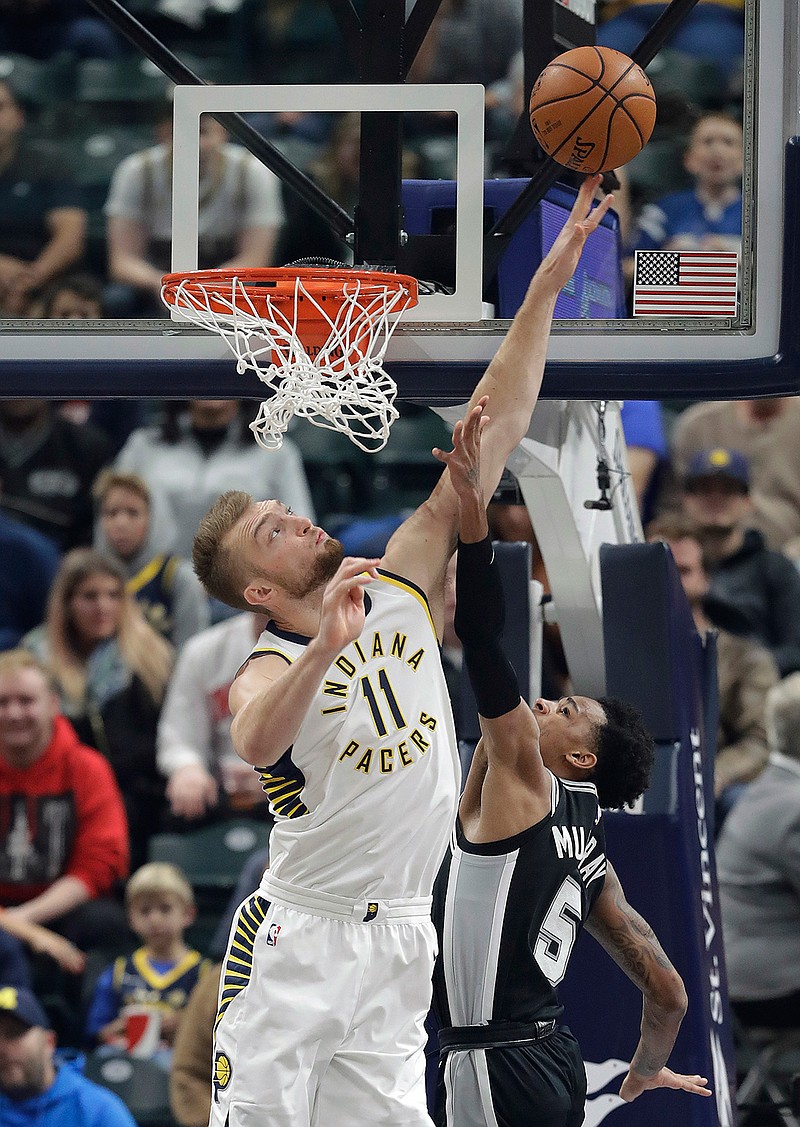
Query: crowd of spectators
point(86, 153)
point(114, 665)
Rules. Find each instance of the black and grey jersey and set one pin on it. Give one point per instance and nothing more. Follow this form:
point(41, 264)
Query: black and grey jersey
point(508, 912)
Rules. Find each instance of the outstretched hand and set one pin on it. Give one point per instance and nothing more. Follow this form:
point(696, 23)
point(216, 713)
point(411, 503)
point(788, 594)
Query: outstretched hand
point(464, 460)
point(343, 611)
point(561, 260)
point(464, 465)
point(633, 1085)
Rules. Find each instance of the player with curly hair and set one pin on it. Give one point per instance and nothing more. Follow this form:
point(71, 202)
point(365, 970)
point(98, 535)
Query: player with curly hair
point(527, 870)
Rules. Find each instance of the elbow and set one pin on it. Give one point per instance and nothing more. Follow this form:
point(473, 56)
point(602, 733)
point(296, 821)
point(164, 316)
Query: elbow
point(672, 998)
point(243, 744)
point(249, 743)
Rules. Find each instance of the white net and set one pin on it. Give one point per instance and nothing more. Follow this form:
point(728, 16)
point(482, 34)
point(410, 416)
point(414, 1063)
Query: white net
point(341, 386)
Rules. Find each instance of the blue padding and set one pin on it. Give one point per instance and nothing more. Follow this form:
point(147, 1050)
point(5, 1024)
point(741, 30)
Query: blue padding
point(664, 856)
point(597, 289)
point(646, 616)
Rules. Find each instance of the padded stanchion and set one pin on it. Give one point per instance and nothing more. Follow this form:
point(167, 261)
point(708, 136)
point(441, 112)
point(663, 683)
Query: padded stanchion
point(663, 854)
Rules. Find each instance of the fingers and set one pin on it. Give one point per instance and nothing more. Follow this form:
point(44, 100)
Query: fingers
point(352, 565)
point(695, 1084)
point(354, 571)
point(475, 421)
point(596, 214)
point(467, 428)
point(583, 215)
point(585, 196)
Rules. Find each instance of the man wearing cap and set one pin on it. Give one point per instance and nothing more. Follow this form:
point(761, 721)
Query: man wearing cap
point(763, 585)
point(36, 1086)
point(767, 432)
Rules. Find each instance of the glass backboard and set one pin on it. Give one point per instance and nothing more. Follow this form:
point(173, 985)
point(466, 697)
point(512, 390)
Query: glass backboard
point(439, 351)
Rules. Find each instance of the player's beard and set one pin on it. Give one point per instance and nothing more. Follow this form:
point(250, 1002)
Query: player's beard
point(321, 572)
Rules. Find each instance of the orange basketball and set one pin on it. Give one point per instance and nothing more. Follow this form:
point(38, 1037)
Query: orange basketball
point(592, 109)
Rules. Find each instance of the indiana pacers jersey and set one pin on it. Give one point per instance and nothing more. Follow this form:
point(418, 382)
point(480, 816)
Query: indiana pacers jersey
point(364, 801)
point(139, 980)
point(508, 913)
point(153, 589)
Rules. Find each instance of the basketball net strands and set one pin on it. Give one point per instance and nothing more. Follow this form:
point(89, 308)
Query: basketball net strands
point(316, 336)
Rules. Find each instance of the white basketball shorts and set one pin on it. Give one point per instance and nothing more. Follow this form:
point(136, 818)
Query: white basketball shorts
point(322, 1008)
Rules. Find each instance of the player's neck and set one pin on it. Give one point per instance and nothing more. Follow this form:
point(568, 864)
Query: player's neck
point(299, 616)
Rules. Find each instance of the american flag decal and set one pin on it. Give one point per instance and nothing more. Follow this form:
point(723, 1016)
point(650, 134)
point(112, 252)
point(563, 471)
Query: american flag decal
point(696, 283)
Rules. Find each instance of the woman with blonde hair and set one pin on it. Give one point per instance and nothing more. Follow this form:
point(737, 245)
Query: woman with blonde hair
point(111, 670)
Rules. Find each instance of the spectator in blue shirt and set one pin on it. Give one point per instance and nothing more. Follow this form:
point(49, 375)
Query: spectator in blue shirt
point(38, 1087)
point(648, 454)
point(28, 563)
point(709, 215)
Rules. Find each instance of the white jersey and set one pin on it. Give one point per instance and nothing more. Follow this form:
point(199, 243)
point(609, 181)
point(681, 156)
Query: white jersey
point(365, 799)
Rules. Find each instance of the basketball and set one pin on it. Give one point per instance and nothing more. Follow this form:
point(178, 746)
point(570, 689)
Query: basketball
point(592, 109)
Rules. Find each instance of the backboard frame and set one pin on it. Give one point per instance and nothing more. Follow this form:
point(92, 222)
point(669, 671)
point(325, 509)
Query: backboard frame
point(440, 363)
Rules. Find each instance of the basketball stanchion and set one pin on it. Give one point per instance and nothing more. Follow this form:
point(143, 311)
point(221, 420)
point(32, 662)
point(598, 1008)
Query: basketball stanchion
point(316, 336)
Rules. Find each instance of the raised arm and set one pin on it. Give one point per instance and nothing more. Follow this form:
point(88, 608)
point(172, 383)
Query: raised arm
point(269, 700)
point(421, 547)
point(520, 789)
point(631, 943)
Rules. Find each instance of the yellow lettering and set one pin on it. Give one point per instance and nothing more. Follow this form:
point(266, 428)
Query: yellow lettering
point(345, 665)
point(398, 645)
point(387, 757)
point(335, 689)
point(415, 659)
point(351, 749)
point(419, 740)
point(377, 645)
point(402, 752)
point(428, 721)
point(365, 762)
point(360, 652)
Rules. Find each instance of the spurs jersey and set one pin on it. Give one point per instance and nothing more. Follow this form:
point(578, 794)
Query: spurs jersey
point(508, 912)
point(365, 799)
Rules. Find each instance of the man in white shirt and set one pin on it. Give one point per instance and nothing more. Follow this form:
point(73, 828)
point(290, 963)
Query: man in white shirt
point(239, 216)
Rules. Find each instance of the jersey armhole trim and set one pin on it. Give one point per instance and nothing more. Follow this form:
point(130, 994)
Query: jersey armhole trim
point(268, 652)
point(412, 589)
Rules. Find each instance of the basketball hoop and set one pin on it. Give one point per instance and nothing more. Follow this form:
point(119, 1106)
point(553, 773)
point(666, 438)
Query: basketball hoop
point(316, 336)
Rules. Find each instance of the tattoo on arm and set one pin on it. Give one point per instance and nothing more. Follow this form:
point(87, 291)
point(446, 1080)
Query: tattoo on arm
point(631, 941)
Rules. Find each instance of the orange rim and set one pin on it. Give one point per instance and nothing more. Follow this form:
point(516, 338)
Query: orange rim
point(278, 285)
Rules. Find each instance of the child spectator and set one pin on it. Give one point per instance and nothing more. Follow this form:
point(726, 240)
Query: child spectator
point(162, 973)
point(135, 528)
